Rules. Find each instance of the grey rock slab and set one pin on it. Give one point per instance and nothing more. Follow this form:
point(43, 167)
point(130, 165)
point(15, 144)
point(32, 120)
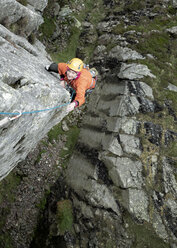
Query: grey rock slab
point(13, 11)
point(141, 89)
point(130, 144)
point(129, 125)
point(113, 124)
point(97, 122)
point(115, 148)
point(115, 88)
point(174, 2)
point(85, 209)
point(110, 107)
point(172, 87)
point(159, 226)
point(125, 124)
point(91, 138)
point(169, 179)
point(81, 175)
point(101, 49)
point(111, 144)
point(136, 202)
point(134, 71)
point(65, 11)
point(169, 217)
point(120, 106)
point(127, 173)
point(78, 172)
point(129, 106)
point(173, 30)
point(38, 5)
point(14, 42)
point(105, 39)
point(124, 172)
point(101, 196)
point(106, 26)
point(172, 205)
point(124, 54)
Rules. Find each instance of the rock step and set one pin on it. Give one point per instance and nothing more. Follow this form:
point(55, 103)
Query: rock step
point(13, 12)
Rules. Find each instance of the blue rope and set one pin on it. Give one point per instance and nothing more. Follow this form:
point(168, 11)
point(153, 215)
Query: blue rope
point(35, 111)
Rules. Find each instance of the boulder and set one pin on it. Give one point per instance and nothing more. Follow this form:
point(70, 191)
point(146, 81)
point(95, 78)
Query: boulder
point(13, 12)
point(134, 71)
point(172, 87)
point(38, 5)
point(136, 201)
point(141, 89)
point(124, 172)
point(169, 180)
point(174, 3)
point(124, 54)
point(173, 30)
point(130, 144)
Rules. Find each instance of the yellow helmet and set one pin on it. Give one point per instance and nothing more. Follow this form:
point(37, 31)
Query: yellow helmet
point(75, 64)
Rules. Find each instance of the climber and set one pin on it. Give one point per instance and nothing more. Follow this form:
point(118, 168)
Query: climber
point(77, 79)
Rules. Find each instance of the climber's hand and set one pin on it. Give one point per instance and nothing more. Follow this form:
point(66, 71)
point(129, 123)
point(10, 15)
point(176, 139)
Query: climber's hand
point(62, 83)
point(70, 107)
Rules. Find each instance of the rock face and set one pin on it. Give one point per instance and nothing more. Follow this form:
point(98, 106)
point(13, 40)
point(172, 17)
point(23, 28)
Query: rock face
point(25, 87)
point(12, 12)
point(119, 153)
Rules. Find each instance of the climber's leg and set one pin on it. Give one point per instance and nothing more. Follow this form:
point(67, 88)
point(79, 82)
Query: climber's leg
point(53, 67)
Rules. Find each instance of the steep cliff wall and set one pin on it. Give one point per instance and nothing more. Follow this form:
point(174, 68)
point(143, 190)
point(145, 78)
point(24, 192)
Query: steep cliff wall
point(24, 84)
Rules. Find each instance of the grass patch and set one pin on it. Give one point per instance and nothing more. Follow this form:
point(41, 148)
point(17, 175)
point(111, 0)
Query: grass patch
point(146, 25)
point(23, 2)
point(42, 204)
point(54, 133)
point(64, 216)
point(70, 51)
point(48, 27)
point(7, 189)
point(39, 156)
point(143, 235)
point(171, 150)
point(67, 51)
point(72, 137)
point(163, 47)
point(156, 44)
point(134, 5)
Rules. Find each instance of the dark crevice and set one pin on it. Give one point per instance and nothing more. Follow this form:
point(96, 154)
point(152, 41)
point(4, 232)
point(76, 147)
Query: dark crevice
point(92, 156)
point(19, 142)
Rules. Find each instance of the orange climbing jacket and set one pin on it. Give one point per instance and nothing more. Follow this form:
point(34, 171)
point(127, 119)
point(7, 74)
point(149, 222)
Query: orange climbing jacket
point(81, 84)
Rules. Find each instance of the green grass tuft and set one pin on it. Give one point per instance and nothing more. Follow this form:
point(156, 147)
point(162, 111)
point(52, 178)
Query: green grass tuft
point(64, 216)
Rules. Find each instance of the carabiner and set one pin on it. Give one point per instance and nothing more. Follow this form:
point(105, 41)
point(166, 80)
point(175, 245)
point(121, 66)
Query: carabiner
point(16, 116)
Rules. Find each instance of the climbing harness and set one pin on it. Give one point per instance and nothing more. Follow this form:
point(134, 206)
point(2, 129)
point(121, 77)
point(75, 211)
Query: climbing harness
point(16, 116)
